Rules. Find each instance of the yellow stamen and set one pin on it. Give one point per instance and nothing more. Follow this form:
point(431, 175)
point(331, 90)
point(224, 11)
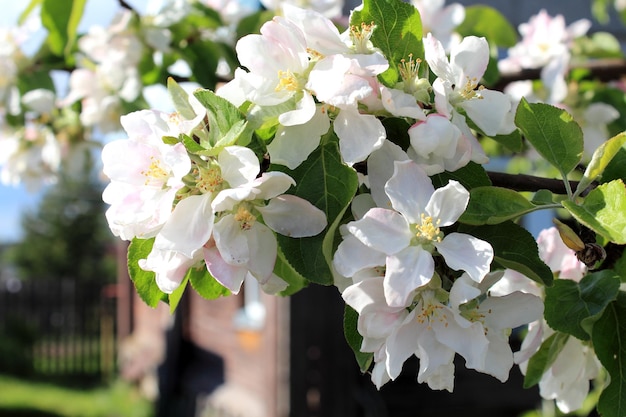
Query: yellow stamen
point(245, 218)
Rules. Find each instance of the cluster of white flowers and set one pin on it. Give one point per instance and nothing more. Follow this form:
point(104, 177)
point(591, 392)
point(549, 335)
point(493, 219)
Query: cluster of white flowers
point(406, 290)
point(201, 210)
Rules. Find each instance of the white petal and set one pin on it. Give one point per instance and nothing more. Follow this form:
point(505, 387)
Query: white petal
point(189, 227)
point(359, 134)
point(293, 216)
point(292, 145)
point(448, 203)
point(230, 276)
point(409, 190)
point(382, 230)
point(261, 242)
point(437, 60)
point(471, 57)
point(466, 253)
point(305, 109)
point(401, 345)
point(231, 241)
point(239, 165)
point(352, 256)
point(489, 111)
point(407, 271)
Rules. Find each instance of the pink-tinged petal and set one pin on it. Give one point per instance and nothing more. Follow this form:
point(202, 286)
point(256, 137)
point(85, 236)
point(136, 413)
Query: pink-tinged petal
point(448, 203)
point(189, 226)
point(401, 104)
point(263, 248)
point(401, 345)
point(170, 267)
point(488, 111)
point(305, 109)
point(271, 184)
point(359, 134)
point(231, 241)
point(409, 190)
point(435, 55)
point(353, 256)
point(228, 275)
point(380, 167)
point(292, 145)
point(466, 253)
point(321, 33)
point(407, 271)
point(471, 56)
point(293, 216)
point(382, 230)
point(239, 165)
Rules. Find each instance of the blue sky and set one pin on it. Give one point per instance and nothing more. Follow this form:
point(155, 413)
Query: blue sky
point(16, 200)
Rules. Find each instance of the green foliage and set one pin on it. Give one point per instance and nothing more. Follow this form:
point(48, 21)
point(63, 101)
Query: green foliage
point(601, 158)
point(62, 23)
point(552, 132)
point(227, 125)
point(470, 176)
point(493, 205)
point(144, 281)
point(329, 185)
point(541, 361)
point(603, 210)
point(354, 339)
point(486, 21)
point(572, 307)
point(204, 283)
point(398, 32)
point(609, 342)
point(515, 248)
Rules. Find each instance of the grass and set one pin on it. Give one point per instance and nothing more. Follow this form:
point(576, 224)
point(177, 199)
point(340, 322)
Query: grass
point(117, 399)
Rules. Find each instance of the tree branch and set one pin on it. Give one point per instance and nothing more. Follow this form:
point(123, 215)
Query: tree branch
point(523, 182)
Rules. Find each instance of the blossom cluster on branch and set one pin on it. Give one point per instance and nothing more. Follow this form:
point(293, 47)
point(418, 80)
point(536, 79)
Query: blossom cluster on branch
point(354, 153)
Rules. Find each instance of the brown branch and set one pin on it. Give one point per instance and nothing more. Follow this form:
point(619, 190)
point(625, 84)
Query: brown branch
point(523, 182)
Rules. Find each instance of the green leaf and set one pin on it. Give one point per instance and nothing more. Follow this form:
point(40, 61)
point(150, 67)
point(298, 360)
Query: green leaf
point(572, 307)
point(609, 342)
point(180, 99)
point(204, 283)
point(512, 141)
point(488, 22)
point(603, 210)
point(515, 248)
point(552, 132)
point(544, 358)
point(354, 339)
point(284, 270)
point(493, 205)
point(600, 160)
point(330, 185)
point(177, 295)
point(61, 18)
point(470, 176)
point(145, 281)
point(226, 123)
point(398, 32)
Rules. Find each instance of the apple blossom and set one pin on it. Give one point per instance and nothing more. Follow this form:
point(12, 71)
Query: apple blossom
point(457, 85)
point(145, 174)
point(410, 233)
point(441, 21)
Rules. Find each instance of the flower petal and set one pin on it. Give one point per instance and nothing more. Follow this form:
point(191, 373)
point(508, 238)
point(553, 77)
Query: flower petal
point(293, 216)
point(407, 271)
point(409, 190)
point(448, 203)
point(466, 253)
point(382, 230)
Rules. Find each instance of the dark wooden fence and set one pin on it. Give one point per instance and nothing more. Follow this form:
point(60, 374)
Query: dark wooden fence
point(57, 328)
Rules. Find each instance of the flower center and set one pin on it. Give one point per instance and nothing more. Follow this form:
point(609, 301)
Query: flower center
point(471, 89)
point(428, 230)
point(155, 173)
point(245, 218)
point(210, 180)
point(287, 81)
point(360, 37)
point(431, 311)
